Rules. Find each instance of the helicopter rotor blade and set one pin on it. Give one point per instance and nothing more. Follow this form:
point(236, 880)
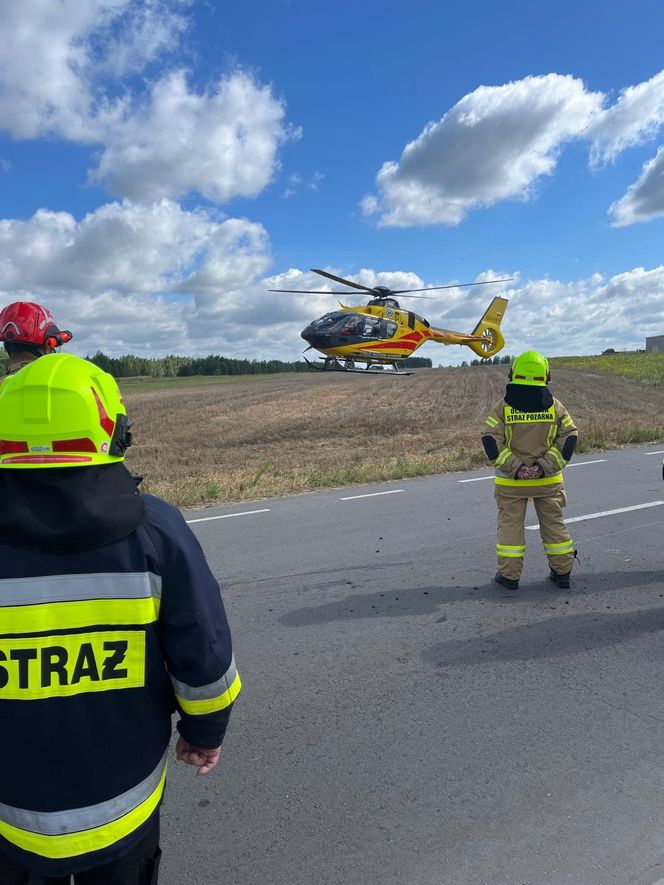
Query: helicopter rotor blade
point(311, 292)
point(404, 295)
point(455, 286)
point(331, 276)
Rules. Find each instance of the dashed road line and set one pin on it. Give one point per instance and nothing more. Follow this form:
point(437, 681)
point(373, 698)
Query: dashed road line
point(477, 478)
point(605, 513)
point(371, 495)
point(661, 452)
point(227, 515)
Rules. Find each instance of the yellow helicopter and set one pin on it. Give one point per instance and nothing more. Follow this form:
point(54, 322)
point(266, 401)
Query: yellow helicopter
point(381, 333)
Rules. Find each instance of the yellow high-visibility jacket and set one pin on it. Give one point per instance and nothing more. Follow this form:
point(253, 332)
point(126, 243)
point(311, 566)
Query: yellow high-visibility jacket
point(513, 438)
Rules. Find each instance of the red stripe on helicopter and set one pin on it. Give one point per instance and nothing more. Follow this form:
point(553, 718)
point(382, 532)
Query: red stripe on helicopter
point(390, 345)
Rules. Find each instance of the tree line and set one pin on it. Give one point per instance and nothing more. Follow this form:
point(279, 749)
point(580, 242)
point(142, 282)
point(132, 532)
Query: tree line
point(496, 361)
point(171, 366)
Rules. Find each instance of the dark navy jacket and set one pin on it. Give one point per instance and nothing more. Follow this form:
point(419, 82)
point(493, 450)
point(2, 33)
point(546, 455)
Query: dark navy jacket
point(110, 619)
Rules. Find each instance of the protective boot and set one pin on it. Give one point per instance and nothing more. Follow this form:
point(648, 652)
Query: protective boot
point(561, 581)
point(506, 582)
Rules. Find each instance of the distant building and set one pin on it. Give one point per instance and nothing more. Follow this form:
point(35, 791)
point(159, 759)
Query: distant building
point(655, 345)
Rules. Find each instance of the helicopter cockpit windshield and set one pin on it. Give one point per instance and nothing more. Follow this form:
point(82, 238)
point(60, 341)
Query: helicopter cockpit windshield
point(353, 325)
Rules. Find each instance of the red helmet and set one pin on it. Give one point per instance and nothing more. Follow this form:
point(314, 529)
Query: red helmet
point(25, 322)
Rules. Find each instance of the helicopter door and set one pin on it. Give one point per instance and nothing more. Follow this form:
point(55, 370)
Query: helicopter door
point(411, 319)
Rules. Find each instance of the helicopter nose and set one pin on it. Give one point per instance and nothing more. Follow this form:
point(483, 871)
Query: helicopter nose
point(310, 336)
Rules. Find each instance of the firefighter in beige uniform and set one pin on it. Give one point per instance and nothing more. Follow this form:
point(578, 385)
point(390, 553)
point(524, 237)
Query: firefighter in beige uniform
point(529, 438)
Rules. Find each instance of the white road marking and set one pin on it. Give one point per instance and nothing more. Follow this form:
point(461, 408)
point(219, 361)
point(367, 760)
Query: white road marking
point(372, 495)
point(605, 513)
point(575, 464)
point(228, 515)
point(661, 452)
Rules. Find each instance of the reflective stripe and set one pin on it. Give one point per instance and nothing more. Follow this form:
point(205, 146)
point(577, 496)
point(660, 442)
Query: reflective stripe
point(558, 456)
point(67, 588)
point(564, 547)
point(567, 421)
point(514, 552)
point(62, 834)
point(205, 692)
point(211, 704)
point(491, 421)
point(75, 615)
point(544, 481)
point(502, 457)
point(551, 435)
point(65, 602)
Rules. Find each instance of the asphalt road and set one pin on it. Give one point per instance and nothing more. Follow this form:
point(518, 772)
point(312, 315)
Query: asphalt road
point(405, 720)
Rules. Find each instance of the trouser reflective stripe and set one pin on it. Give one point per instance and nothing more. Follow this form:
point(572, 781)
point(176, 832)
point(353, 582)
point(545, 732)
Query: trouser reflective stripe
point(558, 549)
point(558, 544)
point(511, 541)
point(505, 550)
point(62, 834)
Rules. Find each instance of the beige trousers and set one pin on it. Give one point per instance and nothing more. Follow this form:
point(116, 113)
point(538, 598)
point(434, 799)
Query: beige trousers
point(511, 542)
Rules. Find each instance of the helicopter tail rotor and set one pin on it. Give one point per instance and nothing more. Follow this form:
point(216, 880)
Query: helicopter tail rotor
point(488, 329)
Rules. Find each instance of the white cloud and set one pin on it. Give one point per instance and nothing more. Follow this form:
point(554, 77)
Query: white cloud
point(492, 145)
point(55, 52)
point(222, 143)
point(586, 316)
point(644, 200)
point(127, 248)
point(636, 116)
point(69, 69)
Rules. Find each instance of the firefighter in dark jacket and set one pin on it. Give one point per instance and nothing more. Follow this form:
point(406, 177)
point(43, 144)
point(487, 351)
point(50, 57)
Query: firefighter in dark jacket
point(529, 437)
point(110, 620)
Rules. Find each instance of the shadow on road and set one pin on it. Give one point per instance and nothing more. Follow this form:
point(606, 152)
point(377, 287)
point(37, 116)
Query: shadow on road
point(406, 602)
point(554, 637)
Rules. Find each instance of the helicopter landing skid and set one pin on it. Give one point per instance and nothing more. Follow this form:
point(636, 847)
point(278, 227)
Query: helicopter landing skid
point(331, 364)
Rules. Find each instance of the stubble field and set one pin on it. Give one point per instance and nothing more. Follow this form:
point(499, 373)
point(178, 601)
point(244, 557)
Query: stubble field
point(216, 440)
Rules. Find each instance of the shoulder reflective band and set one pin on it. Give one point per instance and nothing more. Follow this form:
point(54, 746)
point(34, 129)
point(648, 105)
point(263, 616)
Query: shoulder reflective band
point(514, 416)
point(68, 602)
point(527, 483)
point(202, 699)
point(60, 666)
point(567, 421)
point(63, 834)
point(491, 421)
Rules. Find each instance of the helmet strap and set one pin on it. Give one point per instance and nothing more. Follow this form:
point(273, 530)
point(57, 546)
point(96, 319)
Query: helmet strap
point(121, 439)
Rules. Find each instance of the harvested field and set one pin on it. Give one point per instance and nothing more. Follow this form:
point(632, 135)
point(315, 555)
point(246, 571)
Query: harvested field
point(199, 443)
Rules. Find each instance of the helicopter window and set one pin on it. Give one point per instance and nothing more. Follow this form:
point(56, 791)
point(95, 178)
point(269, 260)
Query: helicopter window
point(351, 326)
point(423, 321)
point(377, 328)
point(327, 321)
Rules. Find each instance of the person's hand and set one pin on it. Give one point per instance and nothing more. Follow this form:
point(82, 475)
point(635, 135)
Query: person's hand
point(534, 472)
point(204, 760)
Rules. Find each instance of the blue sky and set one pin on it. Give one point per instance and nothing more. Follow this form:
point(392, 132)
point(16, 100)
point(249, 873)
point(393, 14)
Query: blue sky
point(164, 163)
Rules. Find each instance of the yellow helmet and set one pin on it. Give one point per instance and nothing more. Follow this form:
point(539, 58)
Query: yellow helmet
point(530, 368)
point(61, 411)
